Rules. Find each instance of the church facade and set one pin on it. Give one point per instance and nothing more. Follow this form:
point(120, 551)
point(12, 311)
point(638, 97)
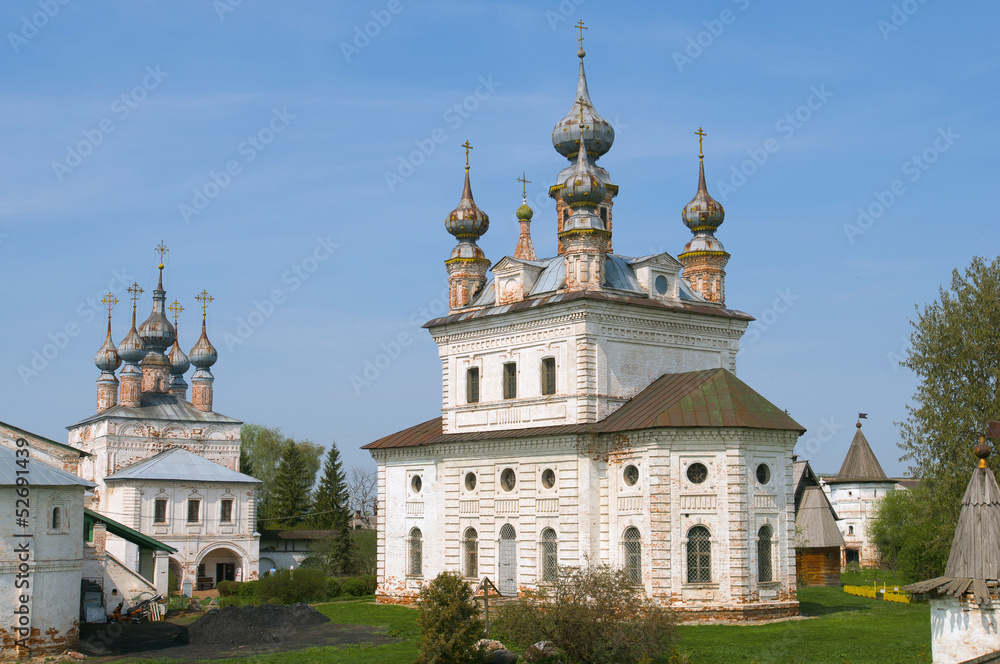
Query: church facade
point(591, 413)
point(166, 466)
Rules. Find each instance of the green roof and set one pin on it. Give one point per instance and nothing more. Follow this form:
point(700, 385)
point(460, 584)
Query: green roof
point(126, 533)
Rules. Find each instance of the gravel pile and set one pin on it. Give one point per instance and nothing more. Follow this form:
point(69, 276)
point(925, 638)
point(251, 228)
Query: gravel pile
point(253, 625)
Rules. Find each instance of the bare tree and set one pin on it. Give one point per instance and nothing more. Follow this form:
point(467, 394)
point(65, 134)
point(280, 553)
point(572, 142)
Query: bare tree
point(363, 489)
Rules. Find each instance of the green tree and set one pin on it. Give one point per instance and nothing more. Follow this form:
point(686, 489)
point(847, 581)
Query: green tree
point(331, 510)
point(449, 623)
point(955, 354)
point(289, 505)
point(262, 448)
point(593, 615)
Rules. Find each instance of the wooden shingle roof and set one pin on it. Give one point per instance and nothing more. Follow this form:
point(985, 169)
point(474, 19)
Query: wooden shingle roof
point(708, 398)
point(860, 464)
point(815, 521)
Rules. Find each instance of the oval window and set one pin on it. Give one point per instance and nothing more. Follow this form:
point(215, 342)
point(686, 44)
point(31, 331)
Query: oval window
point(508, 480)
point(697, 473)
point(548, 478)
point(631, 475)
point(661, 285)
point(416, 484)
point(470, 481)
point(763, 473)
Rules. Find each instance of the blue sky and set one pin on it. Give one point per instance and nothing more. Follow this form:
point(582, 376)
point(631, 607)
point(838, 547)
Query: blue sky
point(300, 170)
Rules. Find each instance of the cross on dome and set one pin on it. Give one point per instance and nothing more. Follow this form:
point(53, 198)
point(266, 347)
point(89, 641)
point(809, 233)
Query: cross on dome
point(109, 301)
point(205, 299)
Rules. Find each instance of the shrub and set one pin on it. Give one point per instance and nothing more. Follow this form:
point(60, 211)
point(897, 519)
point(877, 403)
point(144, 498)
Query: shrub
point(230, 600)
point(333, 587)
point(593, 615)
point(227, 588)
point(359, 586)
point(449, 623)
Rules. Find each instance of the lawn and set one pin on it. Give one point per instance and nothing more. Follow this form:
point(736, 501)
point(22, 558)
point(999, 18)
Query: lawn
point(846, 629)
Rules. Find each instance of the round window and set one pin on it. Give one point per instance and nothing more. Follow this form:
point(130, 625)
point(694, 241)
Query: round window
point(508, 479)
point(631, 475)
point(416, 484)
point(548, 478)
point(697, 473)
point(661, 285)
point(763, 473)
point(470, 481)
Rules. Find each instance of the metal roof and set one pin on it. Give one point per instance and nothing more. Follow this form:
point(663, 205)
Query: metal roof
point(39, 472)
point(126, 533)
point(708, 398)
point(816, 522)
point(154, 406)
point(974, 561)
point(43, 439)
point(177, 464)
point(860, 464)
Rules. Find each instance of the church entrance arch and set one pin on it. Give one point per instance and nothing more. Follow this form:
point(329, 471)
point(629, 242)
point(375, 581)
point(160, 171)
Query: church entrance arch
point(221, 563)
point(507, 573)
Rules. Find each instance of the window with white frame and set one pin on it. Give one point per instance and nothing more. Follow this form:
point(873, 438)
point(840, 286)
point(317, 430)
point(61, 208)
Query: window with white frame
point(699, 555)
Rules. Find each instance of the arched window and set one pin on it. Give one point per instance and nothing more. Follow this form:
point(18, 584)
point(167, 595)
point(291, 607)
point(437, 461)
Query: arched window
point(470, 546)
point(632, 545)
point(699, 550)
point(765, 571)
point(416, 553)
point(550, 556)
point(56, 518)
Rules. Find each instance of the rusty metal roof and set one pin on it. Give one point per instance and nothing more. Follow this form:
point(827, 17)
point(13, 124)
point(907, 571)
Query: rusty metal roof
point(709, 398)
point(860, 464)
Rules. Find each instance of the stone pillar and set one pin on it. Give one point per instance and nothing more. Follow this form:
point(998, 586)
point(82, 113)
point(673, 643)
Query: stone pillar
point(161, 567)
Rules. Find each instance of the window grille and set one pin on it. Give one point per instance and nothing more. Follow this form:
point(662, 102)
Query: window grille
point(227, 511)
point(699, 550)
point(471, 547)
point(416, 553)
point(550, 557)
point(510, 380)
point(472, 385)
point(632, 544)
point(194, 506)
point(508, 479)
point(765, 571)
point(160, 511)
point(548, 376)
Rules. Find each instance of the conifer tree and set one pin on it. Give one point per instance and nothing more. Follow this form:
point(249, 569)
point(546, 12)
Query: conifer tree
point(289, 504)
point(331, 509)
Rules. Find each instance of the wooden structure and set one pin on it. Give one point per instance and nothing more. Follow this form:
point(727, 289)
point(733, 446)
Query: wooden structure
point(818, 539)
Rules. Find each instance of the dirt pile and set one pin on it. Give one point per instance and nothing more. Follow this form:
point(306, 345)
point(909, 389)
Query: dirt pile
point(253, 625)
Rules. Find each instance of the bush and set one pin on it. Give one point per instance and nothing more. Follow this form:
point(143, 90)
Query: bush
point(359, 586)
point(593, 615)
point(333, 587)
point(227, 588)
point(449, 623)
point(230, 600)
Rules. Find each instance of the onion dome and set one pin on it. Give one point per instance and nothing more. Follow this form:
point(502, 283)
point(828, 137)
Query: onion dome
point(157, 332)
point(524, 213)
point(597, 133)
point(467, 221)
point(132, 349)
point(583, 188)
point(179, 362)
point(107, 359)
point(203, 354)
point(703, 213)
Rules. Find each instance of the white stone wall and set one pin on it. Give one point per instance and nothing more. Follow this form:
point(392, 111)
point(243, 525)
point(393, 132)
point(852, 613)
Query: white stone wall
point(590, 507)
point(605, 352)
point(855, 503)
point(54, 568)
point(961, 630)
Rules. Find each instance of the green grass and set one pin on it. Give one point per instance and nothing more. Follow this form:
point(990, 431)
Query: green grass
point(866, 577)
point(848, 629)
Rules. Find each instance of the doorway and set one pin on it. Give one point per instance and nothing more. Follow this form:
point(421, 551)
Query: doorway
point(225, 572)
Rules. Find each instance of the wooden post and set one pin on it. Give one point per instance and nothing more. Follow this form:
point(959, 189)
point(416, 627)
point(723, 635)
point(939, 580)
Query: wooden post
point(483, 592)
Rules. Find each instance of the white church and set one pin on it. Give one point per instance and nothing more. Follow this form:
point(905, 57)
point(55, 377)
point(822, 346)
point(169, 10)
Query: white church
point(591, 411)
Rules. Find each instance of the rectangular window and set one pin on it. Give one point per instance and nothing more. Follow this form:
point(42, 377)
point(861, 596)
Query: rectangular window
point(227, 511)
point(548, 376)
point(193, 508)
point(510, 380)
point(160, 511)
point(472, 385)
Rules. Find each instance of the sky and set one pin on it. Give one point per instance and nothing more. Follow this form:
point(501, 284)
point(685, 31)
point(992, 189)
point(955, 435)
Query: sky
point(299, 160)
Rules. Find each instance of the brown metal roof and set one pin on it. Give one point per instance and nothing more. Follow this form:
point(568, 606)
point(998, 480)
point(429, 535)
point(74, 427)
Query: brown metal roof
point(709, 398)
point(860, 464)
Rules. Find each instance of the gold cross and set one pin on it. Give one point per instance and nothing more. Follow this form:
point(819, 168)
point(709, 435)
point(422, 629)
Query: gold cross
point(701, 135)
point(524, 185)
point(204, 298)
point(136, 291)
point(161, 249)
point(109, 301)
point(467, 148)
point(176, 310)
point(581, 101)
point(582, 28)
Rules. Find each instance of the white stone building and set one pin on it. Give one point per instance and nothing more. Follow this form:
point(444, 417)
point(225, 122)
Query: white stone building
point(41, 557)
point(590, 411)
point(854, 494)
